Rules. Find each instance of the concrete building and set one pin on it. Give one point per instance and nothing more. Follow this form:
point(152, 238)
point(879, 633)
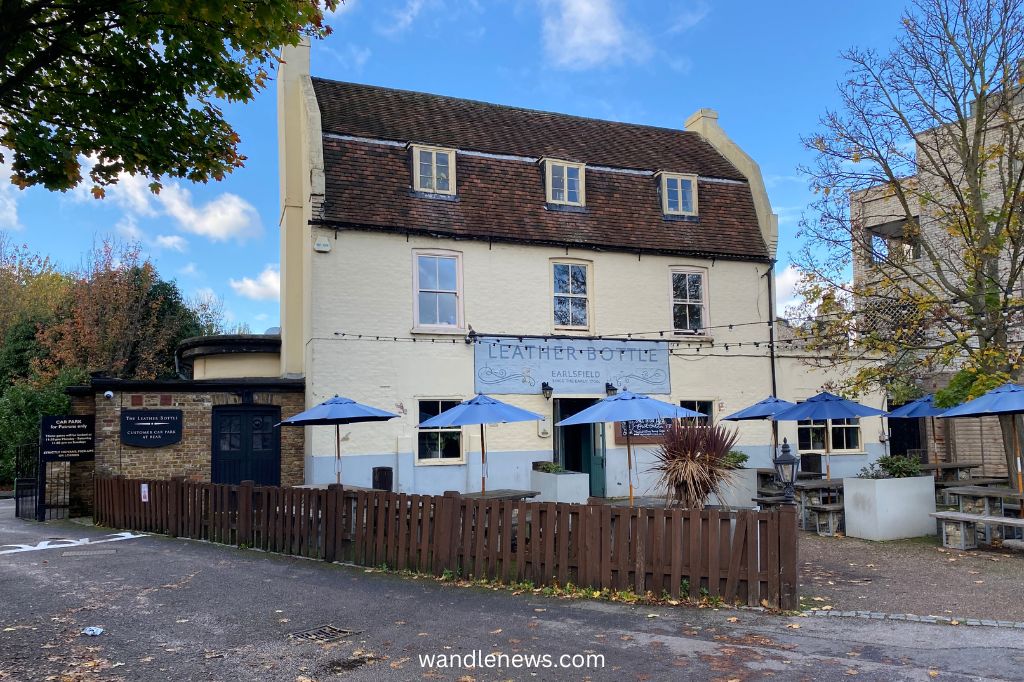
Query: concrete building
point(434, 247)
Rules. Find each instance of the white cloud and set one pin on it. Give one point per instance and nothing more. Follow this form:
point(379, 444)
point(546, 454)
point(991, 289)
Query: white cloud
point(228, 216)
point(8, 195)
point(403, 18)
point(172, 242)
point(129, 229)
point(344, 7)
point(131, 193)
point(581, 34)
point(189, 270)
point(352, 58)
point(689, 17)
point(265, 287)
point(785, 289)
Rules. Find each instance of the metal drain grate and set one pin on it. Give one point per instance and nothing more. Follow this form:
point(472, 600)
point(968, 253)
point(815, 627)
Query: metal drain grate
point(89, 552)
point(325, 634)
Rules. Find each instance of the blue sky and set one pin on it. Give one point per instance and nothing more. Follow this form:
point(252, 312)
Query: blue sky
point(770, 69)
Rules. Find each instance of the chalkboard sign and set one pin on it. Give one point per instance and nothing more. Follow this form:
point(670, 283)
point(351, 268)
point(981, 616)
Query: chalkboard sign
point(67, 438)
point(150, 428)
point(641, 431)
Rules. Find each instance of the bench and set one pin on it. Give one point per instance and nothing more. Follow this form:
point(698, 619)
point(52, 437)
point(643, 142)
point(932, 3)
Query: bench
point(828, 518)
point(943, 497)
point(959, 529)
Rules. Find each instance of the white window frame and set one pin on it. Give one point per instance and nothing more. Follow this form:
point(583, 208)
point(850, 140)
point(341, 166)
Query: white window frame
point(460, 326)
point(705, 306)
point(588, 296)
point(663, 179)
point(417, 184)
point(549, 165)
point(828, 426)
point(711, 413)
point(440, 461)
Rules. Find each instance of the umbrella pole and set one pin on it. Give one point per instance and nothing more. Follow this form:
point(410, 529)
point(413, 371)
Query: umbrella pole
point(483, 461)
point(828, 453)
point(1020, 476)
point(629, 461)
point(337, 453)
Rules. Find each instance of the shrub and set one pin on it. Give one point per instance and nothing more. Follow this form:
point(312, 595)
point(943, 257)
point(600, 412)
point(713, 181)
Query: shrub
point(693, 462)
point(898, 466)
point(735, 459)
point(549, 467)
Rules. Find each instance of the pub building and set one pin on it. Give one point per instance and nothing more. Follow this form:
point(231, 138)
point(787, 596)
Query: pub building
point(433, 248)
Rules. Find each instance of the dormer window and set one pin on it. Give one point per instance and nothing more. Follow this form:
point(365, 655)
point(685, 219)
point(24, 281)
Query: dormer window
point(566, 182)
point(678, 194)
point(433, 169)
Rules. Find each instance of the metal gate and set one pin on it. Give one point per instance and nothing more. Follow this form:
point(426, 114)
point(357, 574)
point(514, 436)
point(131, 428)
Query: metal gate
point(41, 489)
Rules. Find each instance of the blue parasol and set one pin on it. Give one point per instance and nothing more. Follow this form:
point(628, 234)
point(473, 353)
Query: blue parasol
point(481, 410)
point(336, 411)
point(628, 407)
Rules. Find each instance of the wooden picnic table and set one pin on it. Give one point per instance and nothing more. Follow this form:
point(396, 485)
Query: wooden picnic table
point(984, 500)
point(769, 502)
point(770, 471)
point(503, 494)
point(950, 471)
point(810, 494)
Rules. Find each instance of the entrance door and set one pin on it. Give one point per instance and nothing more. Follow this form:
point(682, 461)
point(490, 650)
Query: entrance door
point(904, 435)
point(246, 446)
point(580, 447)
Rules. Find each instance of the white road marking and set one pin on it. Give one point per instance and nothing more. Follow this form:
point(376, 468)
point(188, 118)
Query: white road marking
point(65, 544)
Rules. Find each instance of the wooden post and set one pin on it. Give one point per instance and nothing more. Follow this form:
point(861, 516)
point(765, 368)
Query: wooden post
point(174, 506)
point(244, 528)
point(335, 497)
point(788, 598)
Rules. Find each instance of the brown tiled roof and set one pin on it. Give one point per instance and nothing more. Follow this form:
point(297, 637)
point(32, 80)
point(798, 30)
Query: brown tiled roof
point(368, 185)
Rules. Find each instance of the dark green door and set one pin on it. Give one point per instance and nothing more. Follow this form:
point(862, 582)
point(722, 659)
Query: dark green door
point(246, 445)
point(580, 447)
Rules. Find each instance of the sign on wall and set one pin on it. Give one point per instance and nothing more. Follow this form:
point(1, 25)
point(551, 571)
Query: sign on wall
point(67, 438)
point(150, 428)
point(511, 365)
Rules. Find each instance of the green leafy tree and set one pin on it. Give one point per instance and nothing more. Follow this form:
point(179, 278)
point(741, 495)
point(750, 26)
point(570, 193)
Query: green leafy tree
point(21, 407)
point(134, 86)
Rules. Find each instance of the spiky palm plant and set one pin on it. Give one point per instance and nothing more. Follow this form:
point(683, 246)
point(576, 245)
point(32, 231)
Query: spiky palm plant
point(693, 462)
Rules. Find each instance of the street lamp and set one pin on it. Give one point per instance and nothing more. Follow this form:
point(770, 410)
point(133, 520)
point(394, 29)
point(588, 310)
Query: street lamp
point(785, 468)
point(610, 389)
point(546, 390)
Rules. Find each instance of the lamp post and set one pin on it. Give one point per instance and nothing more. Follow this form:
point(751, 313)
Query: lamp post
point(785, 468)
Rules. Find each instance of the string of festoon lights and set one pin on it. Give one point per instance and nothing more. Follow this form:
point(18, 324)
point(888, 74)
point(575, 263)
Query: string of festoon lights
point(704, 347)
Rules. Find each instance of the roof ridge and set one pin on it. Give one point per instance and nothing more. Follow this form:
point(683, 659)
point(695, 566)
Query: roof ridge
point(511, 107)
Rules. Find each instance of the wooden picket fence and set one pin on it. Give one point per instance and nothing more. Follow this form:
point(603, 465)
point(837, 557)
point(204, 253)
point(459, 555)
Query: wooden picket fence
point(738, 556)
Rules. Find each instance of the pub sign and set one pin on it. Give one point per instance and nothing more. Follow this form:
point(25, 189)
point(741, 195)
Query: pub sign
point(150, 428)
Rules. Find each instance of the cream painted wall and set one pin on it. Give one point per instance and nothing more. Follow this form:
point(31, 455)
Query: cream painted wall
point(365, 286)
point(237, 365)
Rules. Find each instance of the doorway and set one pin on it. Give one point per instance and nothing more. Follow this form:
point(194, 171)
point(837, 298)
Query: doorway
point(904, 436)
point(581, 447)
point(246, 446)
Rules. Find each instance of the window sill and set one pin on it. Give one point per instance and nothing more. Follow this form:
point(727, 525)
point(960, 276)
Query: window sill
point(695, 338)
point(573, 331)
point(439, 462)
point(681, 217)
point(421, 194)
point(439, 331)
point(565, 208)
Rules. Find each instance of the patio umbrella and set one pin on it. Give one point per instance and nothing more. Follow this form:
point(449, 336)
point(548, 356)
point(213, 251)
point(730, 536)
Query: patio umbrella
point(1007, 399)
point(764, 409)
point(922, 407)
point(481, 410)
point(338, 411)
point(628, 407)
point(826, 405)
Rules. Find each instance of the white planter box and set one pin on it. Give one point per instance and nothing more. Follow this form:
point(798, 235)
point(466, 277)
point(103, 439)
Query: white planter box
point(889, 508)
point(568, 486)
point(740, 491)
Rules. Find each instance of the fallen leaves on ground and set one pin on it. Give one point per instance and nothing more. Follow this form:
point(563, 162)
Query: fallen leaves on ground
point(793, 626)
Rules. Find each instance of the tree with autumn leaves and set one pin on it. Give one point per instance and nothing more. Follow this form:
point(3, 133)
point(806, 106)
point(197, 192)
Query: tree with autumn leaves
point(113, 316)
point(913, 259)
